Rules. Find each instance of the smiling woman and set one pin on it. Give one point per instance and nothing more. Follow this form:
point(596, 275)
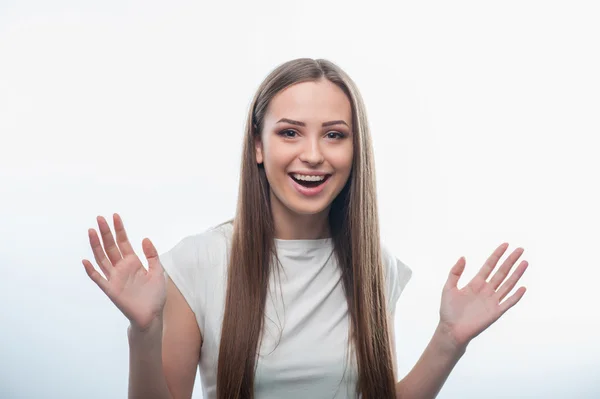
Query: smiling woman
point(305, 126)
point(295, 297)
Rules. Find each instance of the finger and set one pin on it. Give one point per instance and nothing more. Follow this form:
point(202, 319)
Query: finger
point(151, 255)
point(491, 262)
point(455, 273)
point(509, 284)
point(512, 300)
point(94, 275)
point(122, 240)
point(99, 254)
point(501, 274)
point(114, 255)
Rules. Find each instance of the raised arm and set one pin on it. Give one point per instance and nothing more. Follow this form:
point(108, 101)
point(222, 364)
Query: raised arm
point(464, 314)
point(177, 338)
point(164, 338)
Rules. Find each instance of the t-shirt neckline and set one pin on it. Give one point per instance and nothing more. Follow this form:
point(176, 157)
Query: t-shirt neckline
point(303, 244)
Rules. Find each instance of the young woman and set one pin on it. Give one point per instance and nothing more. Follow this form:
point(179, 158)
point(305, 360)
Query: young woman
point(295, 297)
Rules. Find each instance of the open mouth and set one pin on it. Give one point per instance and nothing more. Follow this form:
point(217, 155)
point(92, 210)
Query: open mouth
point(315, 181)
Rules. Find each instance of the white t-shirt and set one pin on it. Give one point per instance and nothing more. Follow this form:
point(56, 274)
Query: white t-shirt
point(304, 351)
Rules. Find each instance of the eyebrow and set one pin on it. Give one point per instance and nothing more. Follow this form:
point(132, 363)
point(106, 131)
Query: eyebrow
point(325, 124)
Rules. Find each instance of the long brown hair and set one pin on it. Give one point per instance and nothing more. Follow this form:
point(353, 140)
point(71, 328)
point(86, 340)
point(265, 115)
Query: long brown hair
point(354, 229)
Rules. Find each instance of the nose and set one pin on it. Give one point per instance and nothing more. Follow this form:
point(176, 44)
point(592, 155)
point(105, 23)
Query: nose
point(311, 153)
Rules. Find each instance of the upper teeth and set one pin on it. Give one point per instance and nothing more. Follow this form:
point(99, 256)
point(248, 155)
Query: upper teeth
point(308, 177)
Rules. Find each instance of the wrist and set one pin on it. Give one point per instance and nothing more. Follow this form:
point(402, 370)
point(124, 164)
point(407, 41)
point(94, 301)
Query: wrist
point(153, 328)
point(447, 342)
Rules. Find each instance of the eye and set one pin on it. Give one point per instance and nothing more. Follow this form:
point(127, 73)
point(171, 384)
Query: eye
point(336, 135)
point(287, 133)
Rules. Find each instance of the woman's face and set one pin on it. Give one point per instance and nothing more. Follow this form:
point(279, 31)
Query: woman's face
point(306, 146)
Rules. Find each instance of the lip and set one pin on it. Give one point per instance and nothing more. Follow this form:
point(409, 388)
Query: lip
point(309, 173)
point(309, 192)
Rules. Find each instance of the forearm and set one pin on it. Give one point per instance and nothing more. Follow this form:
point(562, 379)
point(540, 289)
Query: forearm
point(428, 376)
point(146, 375)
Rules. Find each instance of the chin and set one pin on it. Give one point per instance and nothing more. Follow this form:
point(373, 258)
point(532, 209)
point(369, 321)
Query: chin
point(308, 209)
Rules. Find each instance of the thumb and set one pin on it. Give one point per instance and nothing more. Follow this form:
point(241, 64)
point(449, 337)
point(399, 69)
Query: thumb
point(456, 272)
point(151, 255)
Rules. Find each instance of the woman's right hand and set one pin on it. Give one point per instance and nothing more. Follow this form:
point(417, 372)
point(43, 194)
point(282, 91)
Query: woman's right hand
point(139, 293)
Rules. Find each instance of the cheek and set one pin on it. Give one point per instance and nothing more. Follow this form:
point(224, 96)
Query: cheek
point(276, 161)
point(342, 160)
point(278, 156)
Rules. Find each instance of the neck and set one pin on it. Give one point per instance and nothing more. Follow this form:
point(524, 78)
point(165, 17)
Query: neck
point(293, 226)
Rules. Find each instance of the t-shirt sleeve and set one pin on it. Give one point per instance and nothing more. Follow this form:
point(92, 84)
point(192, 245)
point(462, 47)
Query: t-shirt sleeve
point(397, 276)
point(182, 264)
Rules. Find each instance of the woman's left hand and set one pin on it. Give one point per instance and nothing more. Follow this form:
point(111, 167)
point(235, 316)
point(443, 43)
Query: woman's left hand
point(467, 312)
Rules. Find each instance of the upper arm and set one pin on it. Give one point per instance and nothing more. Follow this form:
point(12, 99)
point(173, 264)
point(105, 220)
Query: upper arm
point(181, 344)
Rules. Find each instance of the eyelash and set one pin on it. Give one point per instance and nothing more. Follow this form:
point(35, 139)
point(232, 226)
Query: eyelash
point(282, 133)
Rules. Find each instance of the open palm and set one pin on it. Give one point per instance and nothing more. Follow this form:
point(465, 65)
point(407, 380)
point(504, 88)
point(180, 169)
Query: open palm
point(139, 293)
point(468, 311)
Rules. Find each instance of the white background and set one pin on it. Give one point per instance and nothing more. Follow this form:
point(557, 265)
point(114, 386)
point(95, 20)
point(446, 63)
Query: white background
point(484, 115)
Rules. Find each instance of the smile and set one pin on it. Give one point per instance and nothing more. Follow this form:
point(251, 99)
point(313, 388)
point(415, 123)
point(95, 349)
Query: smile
point(309, 185)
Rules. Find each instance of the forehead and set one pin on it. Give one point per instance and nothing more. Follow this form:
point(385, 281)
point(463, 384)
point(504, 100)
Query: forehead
point(310, 102)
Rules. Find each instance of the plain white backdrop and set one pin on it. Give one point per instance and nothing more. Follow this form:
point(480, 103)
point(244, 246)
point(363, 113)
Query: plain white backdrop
point(485, 121)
